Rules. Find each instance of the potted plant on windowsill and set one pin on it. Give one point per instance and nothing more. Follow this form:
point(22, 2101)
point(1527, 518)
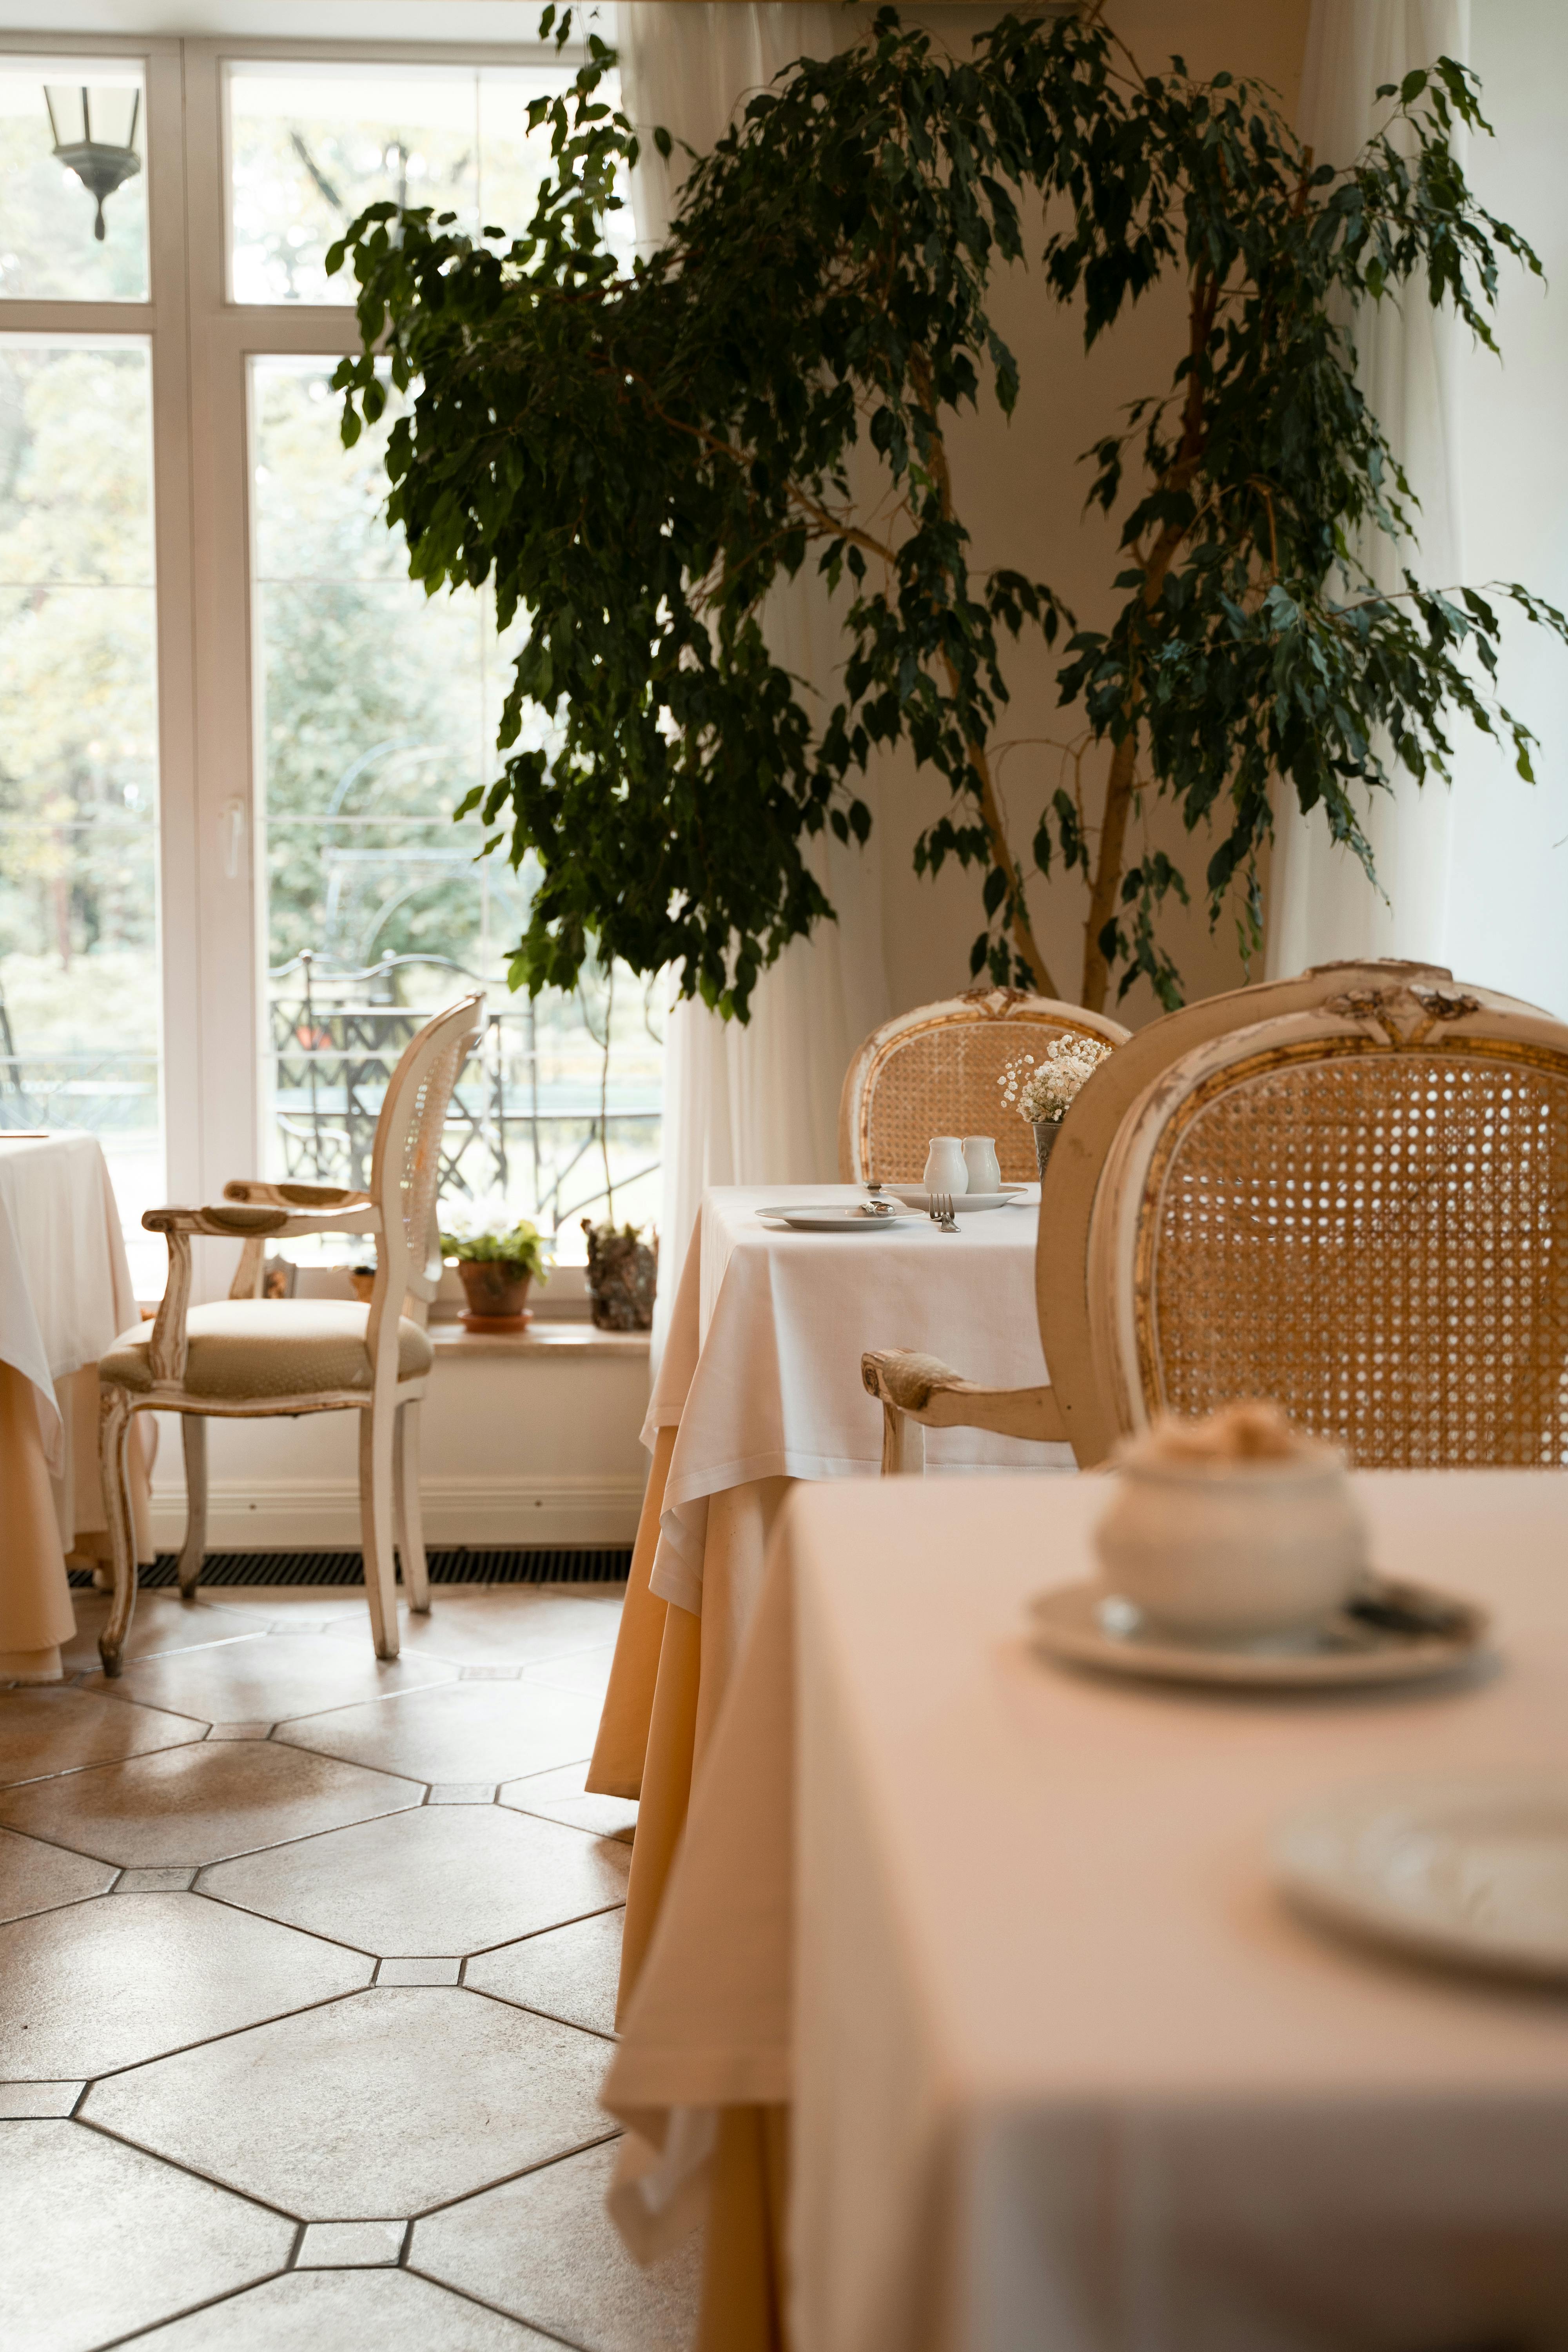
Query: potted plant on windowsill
point(495, 1266)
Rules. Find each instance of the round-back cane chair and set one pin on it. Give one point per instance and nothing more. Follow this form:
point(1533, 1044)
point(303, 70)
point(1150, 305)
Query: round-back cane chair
point(1078, 1162)
point(1360, 1210)
point(935, 1071)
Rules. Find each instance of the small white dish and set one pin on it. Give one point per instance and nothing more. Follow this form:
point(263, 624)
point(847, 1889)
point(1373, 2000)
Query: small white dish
point(915, 1196)
point(1422, 1632)
point(1471, 1870)
point(834, 1216)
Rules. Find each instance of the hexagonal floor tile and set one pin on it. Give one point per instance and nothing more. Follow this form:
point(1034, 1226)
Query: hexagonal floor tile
point(111, 1984)
point(34, 1877)
point(546, 2248)
point(160, 1624)
point(580, 1670)
point(269, 1676)
point(346, 2311)
point(101, 2239)
point(198, 1804)
point(385, 2104)
point(562, 1797)
point(506, 1624)
point(571, 1973)
point(466, 1732)
point(56, 1730)
point(449, 1878)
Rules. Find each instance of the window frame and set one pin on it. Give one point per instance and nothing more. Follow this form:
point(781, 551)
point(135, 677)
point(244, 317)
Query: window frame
point(211, 864)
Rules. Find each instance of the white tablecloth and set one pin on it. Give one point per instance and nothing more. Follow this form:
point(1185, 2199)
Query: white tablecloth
point(762, 1369)
point(1068, 2072)
point(65, 1281)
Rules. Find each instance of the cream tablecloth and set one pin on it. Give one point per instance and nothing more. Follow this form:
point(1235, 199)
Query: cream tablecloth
point(1065, 2070)
point(760, 1386)
point(65, 1292)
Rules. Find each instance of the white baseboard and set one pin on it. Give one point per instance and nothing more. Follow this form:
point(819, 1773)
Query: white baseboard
point(312, 1514)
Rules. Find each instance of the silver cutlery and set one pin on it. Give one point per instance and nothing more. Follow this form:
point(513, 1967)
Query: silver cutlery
point(941, 1209)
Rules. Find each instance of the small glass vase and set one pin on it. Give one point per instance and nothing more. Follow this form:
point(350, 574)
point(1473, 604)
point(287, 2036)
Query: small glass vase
point(1046, 1133)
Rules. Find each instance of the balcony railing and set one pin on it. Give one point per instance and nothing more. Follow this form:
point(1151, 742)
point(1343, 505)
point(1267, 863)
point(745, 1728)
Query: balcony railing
point(530, 1116)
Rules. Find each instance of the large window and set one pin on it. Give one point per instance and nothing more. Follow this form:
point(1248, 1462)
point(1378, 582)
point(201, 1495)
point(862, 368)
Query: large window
point(230, 887)
point(79, 998)
point(377, 712)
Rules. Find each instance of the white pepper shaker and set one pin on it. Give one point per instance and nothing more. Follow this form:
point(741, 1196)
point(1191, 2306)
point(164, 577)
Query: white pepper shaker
point(945, 1169)
point(984, 1167)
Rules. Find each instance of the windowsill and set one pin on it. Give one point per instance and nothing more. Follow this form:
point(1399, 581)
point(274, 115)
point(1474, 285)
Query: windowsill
point(580, 1341)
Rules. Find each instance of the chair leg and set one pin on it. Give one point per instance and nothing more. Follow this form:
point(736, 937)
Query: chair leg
point(114, 1468)
point(410, 1518)
point(193, 1551)
point(903, 1444)
point(377, 1431)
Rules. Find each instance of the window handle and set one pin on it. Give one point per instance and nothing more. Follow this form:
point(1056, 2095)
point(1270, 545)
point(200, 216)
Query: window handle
point(232, 838)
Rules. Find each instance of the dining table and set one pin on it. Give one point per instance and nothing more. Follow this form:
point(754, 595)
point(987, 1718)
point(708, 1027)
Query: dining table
point(759, 1388)
point(65, 1295)
point(978, 2018)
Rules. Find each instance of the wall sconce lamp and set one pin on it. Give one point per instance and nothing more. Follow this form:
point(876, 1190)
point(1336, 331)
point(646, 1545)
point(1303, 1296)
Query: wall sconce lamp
point(95, 137)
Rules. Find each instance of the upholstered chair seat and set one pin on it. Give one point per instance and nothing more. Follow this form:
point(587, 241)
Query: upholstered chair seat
point(271, 1348)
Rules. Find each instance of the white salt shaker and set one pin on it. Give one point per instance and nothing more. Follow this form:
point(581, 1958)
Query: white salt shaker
point(984, 1167)
point(945, 1169)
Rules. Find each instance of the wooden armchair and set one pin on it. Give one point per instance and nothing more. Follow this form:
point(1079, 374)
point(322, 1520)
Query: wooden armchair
point(251, 1357)
point(1359, 1210)
point(1075, 1405)
point(934, 1072)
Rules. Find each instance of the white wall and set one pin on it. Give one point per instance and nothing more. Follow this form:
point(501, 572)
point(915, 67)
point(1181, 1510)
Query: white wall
point(538, 1447)
point(1021, 491)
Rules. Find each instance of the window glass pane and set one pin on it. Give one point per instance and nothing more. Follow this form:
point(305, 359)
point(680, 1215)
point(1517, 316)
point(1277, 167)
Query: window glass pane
point(378, 710)
point(50, 213)
point(310, 146)
point(79, 997)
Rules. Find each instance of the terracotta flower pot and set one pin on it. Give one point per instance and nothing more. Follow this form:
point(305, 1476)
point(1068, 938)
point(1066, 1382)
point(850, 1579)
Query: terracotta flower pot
point(496, 1294)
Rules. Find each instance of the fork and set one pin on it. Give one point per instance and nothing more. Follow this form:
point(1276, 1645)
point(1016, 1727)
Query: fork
point(940, 1206)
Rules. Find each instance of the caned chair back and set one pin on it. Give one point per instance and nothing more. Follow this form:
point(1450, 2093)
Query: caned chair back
point(1078, 1162)
point(1359, 1210)
point(934, 1071)
point(406, 1165)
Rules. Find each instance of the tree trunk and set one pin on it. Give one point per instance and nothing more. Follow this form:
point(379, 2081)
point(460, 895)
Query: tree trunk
point(1119, 784)
point(990, 806)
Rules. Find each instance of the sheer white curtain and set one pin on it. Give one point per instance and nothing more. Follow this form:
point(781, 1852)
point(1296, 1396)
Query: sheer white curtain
point(758, 1104)
point(1412, 364)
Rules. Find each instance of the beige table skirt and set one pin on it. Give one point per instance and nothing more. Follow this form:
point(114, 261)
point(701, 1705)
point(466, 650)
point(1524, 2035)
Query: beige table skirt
point(36, 1613)
point(670, 1674)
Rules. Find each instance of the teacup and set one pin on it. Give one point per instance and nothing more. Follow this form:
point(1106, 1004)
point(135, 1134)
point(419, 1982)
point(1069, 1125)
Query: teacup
point(1232, 1551)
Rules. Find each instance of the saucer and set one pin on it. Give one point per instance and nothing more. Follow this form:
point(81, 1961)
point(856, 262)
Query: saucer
point(834, 1216)
point(915, 1196)
point(1472, 1869)
point(1392, 1631)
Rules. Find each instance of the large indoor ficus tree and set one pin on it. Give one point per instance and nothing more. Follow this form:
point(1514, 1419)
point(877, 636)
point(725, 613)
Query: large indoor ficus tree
point(637, 459)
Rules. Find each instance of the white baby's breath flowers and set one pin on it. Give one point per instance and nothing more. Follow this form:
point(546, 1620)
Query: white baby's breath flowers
point(1043, 1090)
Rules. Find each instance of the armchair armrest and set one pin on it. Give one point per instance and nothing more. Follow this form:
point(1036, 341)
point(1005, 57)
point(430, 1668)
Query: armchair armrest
point(253, 1223)
point(294, 1196)
point(920, 1389)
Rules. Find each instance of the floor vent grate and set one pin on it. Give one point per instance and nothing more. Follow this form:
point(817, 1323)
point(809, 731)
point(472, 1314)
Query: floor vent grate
point(459, 1564)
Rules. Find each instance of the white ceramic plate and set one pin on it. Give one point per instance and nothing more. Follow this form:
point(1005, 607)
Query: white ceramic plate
point(1424, 1633)
point(915, 1196)
point(834, 1217)
point(1471, 1870)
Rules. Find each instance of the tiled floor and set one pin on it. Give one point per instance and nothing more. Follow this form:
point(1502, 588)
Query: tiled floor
point(307, 1983)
